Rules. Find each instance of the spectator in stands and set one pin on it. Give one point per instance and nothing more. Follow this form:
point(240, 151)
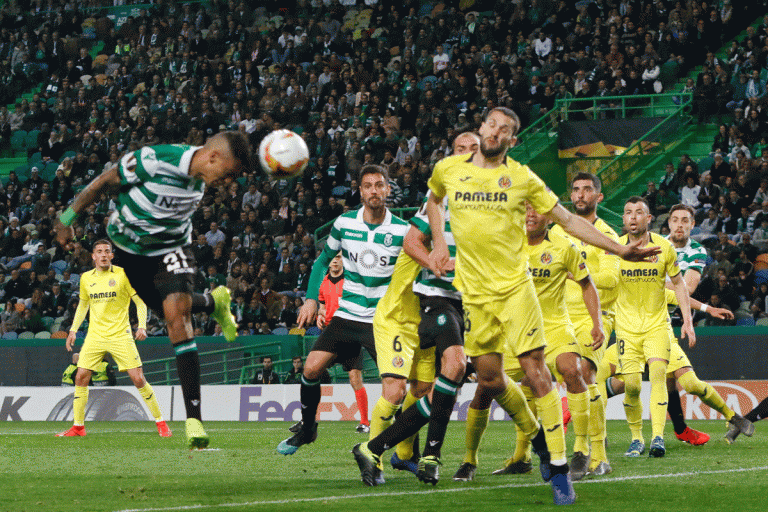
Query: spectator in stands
point(715, 300)
point(689, 195)
point(266, 375)
point(294, 375)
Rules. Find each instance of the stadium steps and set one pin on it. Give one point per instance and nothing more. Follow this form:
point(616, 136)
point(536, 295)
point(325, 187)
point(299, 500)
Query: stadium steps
point(696, 142)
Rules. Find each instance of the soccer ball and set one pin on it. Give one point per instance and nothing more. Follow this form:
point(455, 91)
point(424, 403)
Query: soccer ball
point(283, 154)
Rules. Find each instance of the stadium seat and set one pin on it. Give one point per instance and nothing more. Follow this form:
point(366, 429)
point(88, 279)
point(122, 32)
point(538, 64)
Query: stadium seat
point(10, 336)
point(312, 331)
point(26, 265)
point(280, 331)
point(59, 334)
point(747, 322)
point(27, 335)
point(49, 172)
point(69, 154)
point(32, 138)
point(297, 331)
point(48, 322)
point(762, 321)
point(42, 335)
point(80, 335)
point(18, 140)
point(36, 158)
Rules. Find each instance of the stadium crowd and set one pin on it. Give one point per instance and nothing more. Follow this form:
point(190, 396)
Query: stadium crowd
point(373, 81)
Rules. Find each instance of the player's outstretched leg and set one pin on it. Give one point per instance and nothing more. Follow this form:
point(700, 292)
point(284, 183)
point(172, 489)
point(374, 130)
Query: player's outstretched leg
point(405, 456)
point(443, 400)
point(368, 463)
point(307, 433)
point(407, 424)
point(222, 313)
point(738, 425)
point(758, 413)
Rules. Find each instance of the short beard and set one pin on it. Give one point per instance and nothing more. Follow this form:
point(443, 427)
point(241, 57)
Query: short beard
point(585, 211)
point(682, 239)
point(492, 153)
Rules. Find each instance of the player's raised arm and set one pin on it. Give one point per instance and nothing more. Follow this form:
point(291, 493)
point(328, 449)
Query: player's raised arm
point(104, 182)
point(583, 230)
point(592, 301)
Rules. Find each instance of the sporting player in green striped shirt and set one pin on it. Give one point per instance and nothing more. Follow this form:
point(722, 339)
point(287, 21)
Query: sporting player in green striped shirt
point(370, 240)
point(159, 188)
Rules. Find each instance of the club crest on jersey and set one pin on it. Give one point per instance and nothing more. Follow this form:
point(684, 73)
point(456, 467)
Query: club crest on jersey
point(112, 282)
point(582, 266)
point(388, 239)
point(397, 362)
point(546, 258)
point(505, 182)
point(441, 320)
point(655, 259)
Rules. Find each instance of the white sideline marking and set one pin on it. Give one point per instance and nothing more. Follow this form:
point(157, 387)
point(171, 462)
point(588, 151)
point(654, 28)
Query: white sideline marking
point(440, 491)
point(138, 431)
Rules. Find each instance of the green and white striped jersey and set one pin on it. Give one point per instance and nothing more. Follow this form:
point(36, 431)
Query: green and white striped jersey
point(369, 253)
point(156, 200)
point(692, 256)
point(426, 282)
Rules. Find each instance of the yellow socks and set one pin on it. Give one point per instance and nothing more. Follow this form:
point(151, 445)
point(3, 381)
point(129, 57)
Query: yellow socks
point(522, 447)
point(578, 403)
point(513, 401)
point(404, 448)
point(148, 394)
point(382, 416)
point(78, 404)
point(477, 421)
point(657, 374)
point(632, 405)
point(551, 412)
point(597, 428)
point(691, 383)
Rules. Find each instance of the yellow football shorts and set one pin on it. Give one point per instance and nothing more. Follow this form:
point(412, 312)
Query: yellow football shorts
point(504, 325)
point(635, 351)
point(583, 327)
point(398, 353)
point(123, 351)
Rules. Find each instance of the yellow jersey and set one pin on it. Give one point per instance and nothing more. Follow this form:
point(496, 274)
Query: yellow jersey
point(107, 294)
point(488, 221)
point(603, 267)
point(399, 305)
point(642, 304)
point(548, 264)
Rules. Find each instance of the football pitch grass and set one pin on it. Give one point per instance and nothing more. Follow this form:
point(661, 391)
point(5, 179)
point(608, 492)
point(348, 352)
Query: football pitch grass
point(121, 466)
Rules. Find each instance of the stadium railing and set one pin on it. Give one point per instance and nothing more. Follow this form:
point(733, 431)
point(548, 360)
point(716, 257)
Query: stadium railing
point(622, 171)
point(239, 364)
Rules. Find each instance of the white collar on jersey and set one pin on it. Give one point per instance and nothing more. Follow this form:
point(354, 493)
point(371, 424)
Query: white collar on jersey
point(387, 217)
